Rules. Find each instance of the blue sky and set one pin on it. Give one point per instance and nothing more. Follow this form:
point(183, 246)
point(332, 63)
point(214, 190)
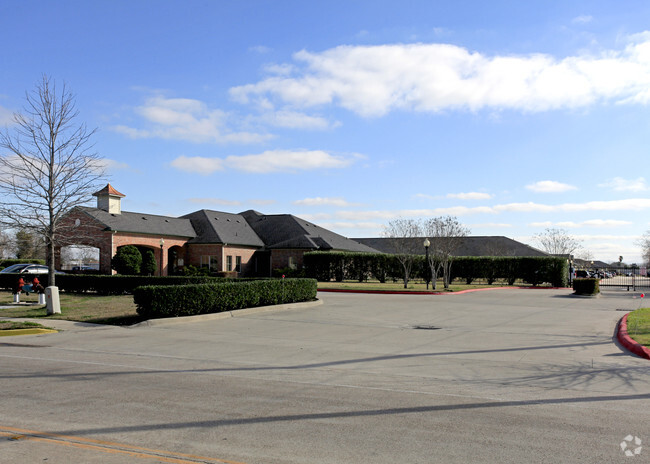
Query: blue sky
point(513, 116)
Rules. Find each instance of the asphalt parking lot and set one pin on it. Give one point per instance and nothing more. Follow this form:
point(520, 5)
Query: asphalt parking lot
point(491, 376)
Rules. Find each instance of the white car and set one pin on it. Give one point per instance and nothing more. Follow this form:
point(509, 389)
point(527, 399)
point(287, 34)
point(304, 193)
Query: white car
point(27, 269)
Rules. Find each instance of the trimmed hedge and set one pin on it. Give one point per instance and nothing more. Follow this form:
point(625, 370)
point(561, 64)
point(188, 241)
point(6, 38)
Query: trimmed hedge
point(187, 300)
point(586, 286)
point(326, 266)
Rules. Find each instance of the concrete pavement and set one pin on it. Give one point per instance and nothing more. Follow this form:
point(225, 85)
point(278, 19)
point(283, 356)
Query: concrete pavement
point(499, 376)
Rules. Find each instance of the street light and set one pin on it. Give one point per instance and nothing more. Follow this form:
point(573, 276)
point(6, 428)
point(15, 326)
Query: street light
point(426, 244)
point(162, 244)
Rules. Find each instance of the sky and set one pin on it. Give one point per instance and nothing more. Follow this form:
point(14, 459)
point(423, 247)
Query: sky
point(512, 116)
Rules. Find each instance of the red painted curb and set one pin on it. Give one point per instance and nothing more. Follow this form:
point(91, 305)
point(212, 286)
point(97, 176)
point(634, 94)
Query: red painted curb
point(398, 292)
point(628, 342)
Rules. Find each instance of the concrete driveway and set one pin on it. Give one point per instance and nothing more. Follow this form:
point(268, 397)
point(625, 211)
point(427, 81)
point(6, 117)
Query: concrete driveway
point(492, 376)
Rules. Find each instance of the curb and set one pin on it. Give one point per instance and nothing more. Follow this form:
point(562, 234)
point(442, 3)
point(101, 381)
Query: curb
point(224, 315)
point(32, 331)
point(418, 292)
point(628, 342)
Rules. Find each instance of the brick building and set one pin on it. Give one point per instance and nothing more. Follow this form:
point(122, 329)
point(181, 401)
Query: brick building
point(250, 243)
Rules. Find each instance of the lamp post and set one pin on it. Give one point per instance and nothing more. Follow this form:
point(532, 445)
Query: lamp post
point(162, 244)
point(426, 244)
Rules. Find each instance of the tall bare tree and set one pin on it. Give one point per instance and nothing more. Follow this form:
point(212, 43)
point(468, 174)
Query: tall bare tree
point(402, 234)
point(446, 235)
point(46, 165)
point(644, 243)
point(557, 242)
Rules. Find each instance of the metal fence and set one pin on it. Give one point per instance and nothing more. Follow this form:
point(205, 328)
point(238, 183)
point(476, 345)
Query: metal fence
point(626, 278)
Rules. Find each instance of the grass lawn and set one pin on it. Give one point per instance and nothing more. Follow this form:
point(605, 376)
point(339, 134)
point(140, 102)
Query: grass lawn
point(114, 309)
point(638, 326)
point(11, 325)
point(120, 309)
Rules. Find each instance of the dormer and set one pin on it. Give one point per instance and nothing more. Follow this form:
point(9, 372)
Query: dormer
point(109, 199)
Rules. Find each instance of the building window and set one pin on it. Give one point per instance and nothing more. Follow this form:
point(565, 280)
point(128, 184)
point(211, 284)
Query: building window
point(211, 262)
point(238, 263)
point(229, 263)
point(292, 263)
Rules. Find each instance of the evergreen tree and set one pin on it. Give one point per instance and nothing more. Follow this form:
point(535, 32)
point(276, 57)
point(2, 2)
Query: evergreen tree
point(127, 260)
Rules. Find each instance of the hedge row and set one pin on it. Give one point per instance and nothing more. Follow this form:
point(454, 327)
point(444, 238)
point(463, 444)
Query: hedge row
point(187, 300)
point(586, 286)
point(105, 284)
point(339, 266)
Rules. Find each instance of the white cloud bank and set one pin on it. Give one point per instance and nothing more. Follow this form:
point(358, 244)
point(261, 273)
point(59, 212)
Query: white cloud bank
point(189, 120)
point(266, 162)
point(374, 80)
point(626, 185)
point(325, 201)
point(550, 186)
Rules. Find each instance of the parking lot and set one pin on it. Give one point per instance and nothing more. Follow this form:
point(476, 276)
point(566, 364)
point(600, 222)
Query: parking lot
point(491, 376)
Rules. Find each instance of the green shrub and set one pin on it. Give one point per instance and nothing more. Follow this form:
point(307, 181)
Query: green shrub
point(187, 300)
point(586, 286)
point(127, 260)
point(149, 264)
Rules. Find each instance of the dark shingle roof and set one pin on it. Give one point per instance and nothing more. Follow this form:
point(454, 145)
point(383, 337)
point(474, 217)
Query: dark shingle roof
point(282, 231)
point(471, 246)
point(220, 227)
point(142, 223)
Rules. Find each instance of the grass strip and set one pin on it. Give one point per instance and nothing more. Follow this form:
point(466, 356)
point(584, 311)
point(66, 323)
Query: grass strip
point(638, 326)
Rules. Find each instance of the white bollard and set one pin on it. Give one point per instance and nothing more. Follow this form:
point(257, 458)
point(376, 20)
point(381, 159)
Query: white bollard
point(16, 297)
point(41, 298)
point(53, 304)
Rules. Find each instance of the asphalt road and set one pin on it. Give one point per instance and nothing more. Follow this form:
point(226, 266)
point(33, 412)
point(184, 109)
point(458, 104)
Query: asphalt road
point(529, 376)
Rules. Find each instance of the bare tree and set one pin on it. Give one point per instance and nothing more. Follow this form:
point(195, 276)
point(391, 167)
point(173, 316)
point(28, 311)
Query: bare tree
point(644, 243)
point(446, 235)
point(7, 247)
point(557, 242)
point(403, 233)
point(47, 167)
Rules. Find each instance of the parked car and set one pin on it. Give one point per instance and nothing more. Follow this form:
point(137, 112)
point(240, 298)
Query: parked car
point(27, 268)
point(582, 274)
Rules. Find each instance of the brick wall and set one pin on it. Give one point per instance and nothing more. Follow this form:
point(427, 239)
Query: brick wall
point(280, 258)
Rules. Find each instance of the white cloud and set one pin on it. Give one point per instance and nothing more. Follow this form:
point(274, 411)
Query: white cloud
point(550, 186)
point(632, 204)
point(289, 119)
point(187, 119)
point(266, 162)
point(598, 223)
point(622, 185)
point(491, 225)
point(582, 19)
point(261, 49)
point(319, 201)
point(6, 117)
point(374, 80)
point(112, 165)
point(198, 164)
point(470, 196)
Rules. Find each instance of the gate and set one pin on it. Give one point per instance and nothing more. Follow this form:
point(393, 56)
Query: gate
point(630, 279)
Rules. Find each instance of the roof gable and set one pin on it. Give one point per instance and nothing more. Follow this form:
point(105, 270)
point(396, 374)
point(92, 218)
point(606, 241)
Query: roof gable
point(470, 246)
point(288, 231)
point(219, 227)
point(140, 223)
